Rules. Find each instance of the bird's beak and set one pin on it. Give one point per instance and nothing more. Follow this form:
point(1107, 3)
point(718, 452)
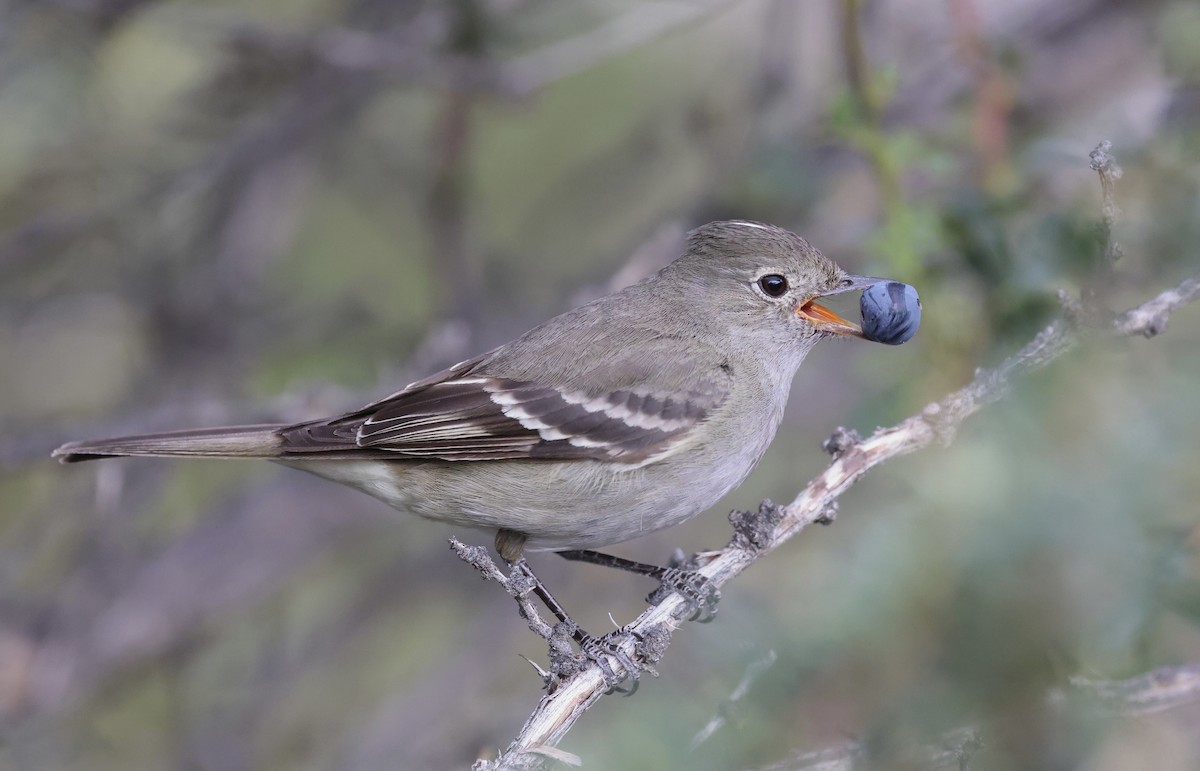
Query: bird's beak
point(825, 319)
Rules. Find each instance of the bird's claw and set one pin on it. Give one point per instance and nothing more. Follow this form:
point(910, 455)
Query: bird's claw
point(600, 649)
point(565, 661)
point(699, 593)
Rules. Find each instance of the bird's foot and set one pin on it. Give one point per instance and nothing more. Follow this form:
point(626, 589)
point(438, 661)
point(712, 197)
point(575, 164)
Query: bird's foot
point(600, 649)
point(699, 593)
point(570, 647)
point(566, 660)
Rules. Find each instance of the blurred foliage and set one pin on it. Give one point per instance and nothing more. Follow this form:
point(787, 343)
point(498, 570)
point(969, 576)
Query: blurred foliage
point(219, 212)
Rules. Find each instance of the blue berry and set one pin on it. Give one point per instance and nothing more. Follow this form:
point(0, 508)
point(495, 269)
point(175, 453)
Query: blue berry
point(891, 312)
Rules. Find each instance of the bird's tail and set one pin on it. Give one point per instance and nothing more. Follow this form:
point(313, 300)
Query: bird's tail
point(231, 442)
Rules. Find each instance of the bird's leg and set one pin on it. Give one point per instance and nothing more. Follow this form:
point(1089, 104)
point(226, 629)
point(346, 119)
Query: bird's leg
point(680, 575)
point(510, 544)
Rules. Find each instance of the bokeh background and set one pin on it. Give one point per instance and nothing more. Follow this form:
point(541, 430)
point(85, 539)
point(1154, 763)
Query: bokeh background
point(221, 212)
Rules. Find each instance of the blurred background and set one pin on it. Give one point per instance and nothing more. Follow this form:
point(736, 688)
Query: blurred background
point(222, 212)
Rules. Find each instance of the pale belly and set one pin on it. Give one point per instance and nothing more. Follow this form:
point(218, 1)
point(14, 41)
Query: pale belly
point(557, 505)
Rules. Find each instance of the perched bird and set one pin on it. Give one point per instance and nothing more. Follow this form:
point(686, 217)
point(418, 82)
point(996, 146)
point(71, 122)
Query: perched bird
point(629, 414)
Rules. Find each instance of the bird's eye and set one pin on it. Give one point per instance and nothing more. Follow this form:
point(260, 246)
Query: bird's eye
point(773, 284)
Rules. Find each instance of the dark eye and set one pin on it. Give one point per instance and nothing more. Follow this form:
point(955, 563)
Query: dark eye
point(773, 284)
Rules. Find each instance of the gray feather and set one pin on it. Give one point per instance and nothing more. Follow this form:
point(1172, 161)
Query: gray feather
point(232, 442)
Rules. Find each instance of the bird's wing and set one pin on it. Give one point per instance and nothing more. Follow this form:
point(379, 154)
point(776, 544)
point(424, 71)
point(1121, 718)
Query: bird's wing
point(462, 414)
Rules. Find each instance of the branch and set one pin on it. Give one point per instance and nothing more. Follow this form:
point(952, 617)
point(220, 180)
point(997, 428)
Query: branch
point(1147, 694)
point(1150, 319)
point(762, 532)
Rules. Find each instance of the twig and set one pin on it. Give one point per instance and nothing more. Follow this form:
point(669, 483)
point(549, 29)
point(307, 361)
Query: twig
point(1098, 290)
point(756, 670)
point(1146, 694)
point(519, 583)
point(937, 423)
point(1103, 163)
point(1150, 319)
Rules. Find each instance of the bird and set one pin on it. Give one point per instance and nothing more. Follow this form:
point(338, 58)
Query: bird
point(629, 414)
